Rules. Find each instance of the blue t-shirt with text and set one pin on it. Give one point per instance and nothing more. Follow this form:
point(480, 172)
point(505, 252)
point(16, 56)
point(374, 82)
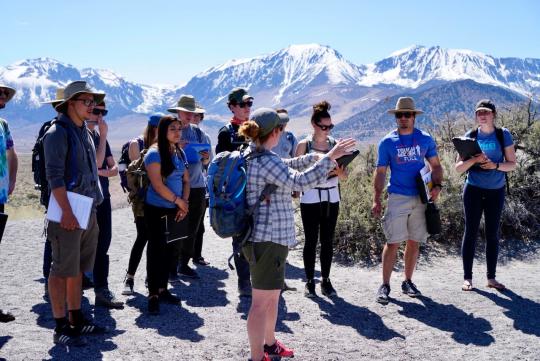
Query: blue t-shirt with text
point(405, 155)
point(173, 181)
point(490, 179)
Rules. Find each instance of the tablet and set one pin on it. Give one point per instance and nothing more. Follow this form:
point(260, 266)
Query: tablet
point(346, 159)
point(466, 147)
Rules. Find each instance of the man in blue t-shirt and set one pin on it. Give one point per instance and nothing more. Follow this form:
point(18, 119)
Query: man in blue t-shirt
point(404, 150)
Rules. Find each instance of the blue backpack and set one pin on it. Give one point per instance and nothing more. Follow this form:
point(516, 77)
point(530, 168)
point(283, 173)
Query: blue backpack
point(227, 178)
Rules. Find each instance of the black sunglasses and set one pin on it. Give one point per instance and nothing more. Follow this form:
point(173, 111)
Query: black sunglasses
point(404, 114)
point(325, 127)
point(97, 111)
point(244, 104)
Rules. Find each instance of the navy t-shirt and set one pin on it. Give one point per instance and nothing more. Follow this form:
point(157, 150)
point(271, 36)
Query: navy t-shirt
point(104, 181)
point(492, 178)
point(405, 155)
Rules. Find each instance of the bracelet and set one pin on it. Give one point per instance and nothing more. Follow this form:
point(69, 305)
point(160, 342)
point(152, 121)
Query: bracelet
point(497, 167)
point(175, 198)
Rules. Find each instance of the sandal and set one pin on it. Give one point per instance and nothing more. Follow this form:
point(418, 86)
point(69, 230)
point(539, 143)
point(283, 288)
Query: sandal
point(467, 285)
point(493, 283)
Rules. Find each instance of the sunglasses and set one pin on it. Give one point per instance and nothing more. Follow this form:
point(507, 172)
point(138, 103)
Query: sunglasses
point(86, 102)
point(245, 104)
point(325, 127)
point(4, 92)
point(404, 114)
point(97, 111)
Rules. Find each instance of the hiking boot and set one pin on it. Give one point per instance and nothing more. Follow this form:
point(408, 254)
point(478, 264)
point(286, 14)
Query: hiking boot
point(87, 327)
point(286, 287)
point(410, 289)
point(327, 289)
point(309, 290)
point(6, 317)
point(278, 349)
point(244, 288)
point(382, 294)
point(68, 336)
point(153, 305)
point(86, 282)
point(105, 298)
point(166, 297)
point(201, 261)
point(186, 271)
point(129, 284)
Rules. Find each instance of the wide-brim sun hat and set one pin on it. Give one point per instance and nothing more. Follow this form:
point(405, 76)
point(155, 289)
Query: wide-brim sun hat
point(75, 88)
point(11, 92)
point(405, 104)
point(199, 109)
point(267, 119)
point(58, 100)
point(186, 103)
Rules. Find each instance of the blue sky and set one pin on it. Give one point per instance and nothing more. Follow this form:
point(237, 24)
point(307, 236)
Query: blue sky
point(167, 42)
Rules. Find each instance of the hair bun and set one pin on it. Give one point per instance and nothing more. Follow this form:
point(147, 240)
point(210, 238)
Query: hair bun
point(323, 106)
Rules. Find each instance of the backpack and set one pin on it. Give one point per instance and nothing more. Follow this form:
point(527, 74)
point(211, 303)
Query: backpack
point(500, 138)
point(124, 162)
point(38, 162)
point(230, 215)
point(138, 181)
point(309, 144)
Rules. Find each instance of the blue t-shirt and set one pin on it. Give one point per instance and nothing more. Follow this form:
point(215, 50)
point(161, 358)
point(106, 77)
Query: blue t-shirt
point(173, 181)
point(193, 134)
point(405, 155)
point(493, 178)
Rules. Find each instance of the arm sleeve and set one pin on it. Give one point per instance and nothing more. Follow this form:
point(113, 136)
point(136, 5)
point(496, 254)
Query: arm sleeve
point(383, 156)
point(284, 177)
point(431, 148)
point(55, 149)
point(152, 156)
point(224, 141)
point(7, 133)
point(508, 141)
point(302, 162)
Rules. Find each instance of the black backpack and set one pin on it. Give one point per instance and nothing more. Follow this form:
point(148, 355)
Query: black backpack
point(500, 138)
point(38, 162)
point(123, 162)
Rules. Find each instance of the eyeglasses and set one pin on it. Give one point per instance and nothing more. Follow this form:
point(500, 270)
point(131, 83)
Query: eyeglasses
point(97, 111)
point(245, 104)
point(4, 92)
point(325, 127)
point(404, 114)
point(86, 102)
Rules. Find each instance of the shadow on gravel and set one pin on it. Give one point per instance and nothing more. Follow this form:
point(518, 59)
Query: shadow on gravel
point(244, 303)
point(295, 273)
point(4, 340)
point(173, 321)
point(465, 328)
point(367, 323)
point(207, 291)
point(522, 310)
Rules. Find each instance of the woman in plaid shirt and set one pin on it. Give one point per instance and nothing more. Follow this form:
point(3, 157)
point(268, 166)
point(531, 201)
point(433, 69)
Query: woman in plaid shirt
point(273, 231)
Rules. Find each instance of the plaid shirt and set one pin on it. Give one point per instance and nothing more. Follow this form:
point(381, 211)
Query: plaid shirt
point(274, 220)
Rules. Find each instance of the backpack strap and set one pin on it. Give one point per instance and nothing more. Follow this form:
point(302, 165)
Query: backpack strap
point(140, 141)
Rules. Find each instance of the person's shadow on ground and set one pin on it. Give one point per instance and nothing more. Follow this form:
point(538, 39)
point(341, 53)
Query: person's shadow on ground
point(172, 321)
point(297, 273)
point(465, 328)
point(523, 311)
point(4, 340)
point(208, 290)
point(367, 323)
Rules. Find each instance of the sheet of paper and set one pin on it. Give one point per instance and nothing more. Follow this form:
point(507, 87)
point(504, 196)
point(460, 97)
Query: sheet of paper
point(426, 177)
point(80, 205)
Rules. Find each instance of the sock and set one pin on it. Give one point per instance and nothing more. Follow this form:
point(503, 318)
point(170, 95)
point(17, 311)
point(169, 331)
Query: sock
point(60, 323)
point(76, 317)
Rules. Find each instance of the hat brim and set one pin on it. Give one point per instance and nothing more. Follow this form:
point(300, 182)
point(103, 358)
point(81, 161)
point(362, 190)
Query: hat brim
point(200, 110)
point(484, 108)
point(11, 92)
point(415, 111)
point(61, 107)
point(176, 109)
point(247, 97)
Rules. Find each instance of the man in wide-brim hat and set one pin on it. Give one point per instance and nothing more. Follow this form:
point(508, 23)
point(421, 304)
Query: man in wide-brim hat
point(8, 166)
point(404, 150)
point(70, 165)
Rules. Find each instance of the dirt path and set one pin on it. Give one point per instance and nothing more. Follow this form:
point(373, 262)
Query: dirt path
point(446, 324)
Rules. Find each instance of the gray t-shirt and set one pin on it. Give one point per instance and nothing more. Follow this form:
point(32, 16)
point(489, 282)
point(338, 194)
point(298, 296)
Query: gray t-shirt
point(193, 134)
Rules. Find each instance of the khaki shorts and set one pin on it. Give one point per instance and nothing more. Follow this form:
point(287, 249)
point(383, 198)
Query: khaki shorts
point(268, 270)
point(73, 251)
point(405, 219)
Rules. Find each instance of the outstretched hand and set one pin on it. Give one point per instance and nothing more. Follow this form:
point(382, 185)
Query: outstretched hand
point(342, 147)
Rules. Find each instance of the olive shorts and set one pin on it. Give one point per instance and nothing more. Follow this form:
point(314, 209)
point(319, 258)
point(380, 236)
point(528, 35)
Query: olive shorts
point(266, 264)
point(73, 251)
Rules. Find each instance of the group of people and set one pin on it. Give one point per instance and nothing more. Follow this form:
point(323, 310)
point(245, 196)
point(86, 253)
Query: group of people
point(78, 159)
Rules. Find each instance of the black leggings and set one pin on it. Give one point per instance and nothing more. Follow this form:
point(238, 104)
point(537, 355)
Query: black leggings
point(319, 220)
point(475, 202)
point(159, 253)
point(138, 247)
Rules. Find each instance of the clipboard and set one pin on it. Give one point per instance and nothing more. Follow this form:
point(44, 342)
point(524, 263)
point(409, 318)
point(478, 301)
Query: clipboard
point(466, 147)
point(347, 159)
point(193, 150)
point(80, 205)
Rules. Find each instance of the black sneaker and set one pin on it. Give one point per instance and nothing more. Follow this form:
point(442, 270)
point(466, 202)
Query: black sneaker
point(153, 305)
point(166, 297)
point(327, 289)
point(188, 272)
point(309, 291)
point(129, 284)
point(382, 294)
point(410, 289)
point(105, 298)
point(87, 327)
point(244, 288)
point(68, 336)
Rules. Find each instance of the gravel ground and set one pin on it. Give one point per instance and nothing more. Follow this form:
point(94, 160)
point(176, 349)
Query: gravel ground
point(445, 324)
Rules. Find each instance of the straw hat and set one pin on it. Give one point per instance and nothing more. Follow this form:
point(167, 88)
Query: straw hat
point(405, 104)
point(58, 100)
